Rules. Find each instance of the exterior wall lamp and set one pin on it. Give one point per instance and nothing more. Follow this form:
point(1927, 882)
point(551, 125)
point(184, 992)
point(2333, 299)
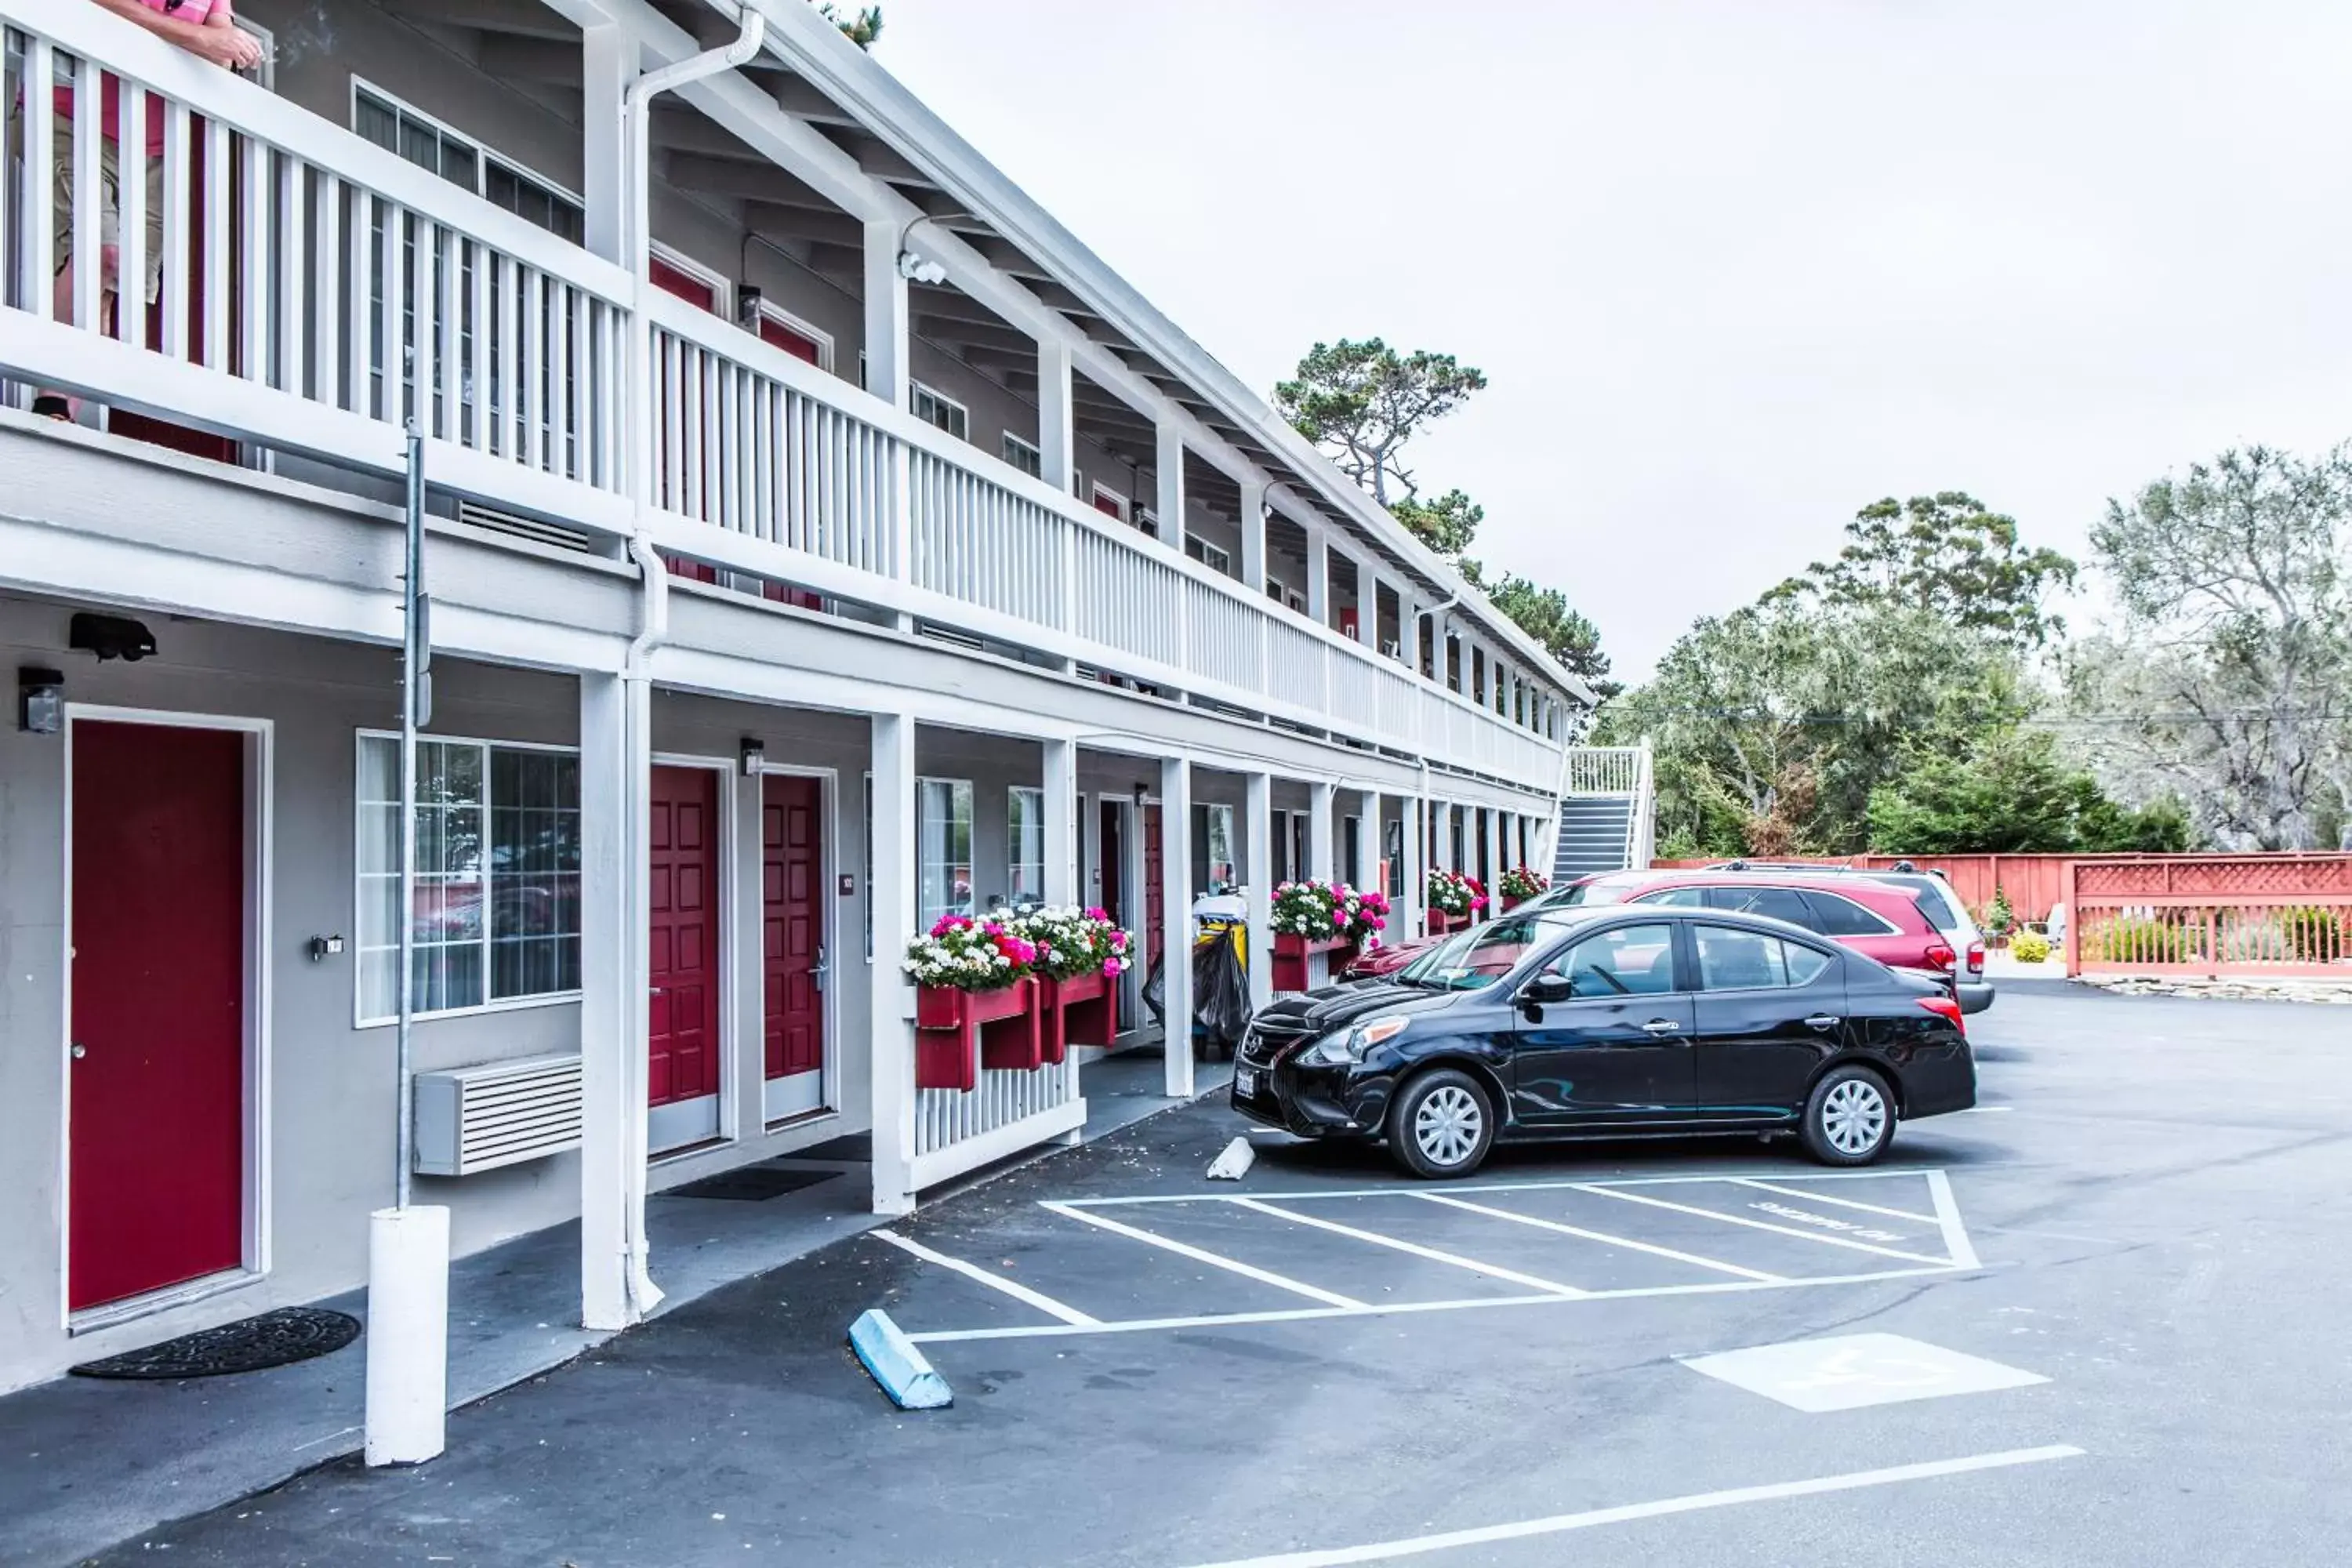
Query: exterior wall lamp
point(40, 701)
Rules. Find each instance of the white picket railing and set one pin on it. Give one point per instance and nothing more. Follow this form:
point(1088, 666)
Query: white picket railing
point(317, 291)
point(1606, 770)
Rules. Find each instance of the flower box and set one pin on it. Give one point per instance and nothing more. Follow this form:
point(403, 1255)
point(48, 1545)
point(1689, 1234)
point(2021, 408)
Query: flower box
point(1080, 1011)
point(1439, 922)
point(1290, 954)
point(958, 1032)
point(1510, 904)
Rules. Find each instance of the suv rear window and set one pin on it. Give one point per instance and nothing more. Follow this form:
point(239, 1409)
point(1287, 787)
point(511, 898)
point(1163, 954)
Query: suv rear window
point(1931, 903)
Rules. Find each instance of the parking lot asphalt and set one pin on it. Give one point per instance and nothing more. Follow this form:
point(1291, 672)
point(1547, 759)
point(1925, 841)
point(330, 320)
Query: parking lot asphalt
point(2097, 1322)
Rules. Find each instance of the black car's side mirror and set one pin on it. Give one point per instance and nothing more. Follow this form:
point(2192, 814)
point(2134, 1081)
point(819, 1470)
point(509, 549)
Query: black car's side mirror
point(1545, 989)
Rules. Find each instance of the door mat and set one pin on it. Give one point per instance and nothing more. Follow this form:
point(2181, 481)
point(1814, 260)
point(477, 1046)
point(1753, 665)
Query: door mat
point(751, 1185)
point(856, 1147)
point(273, 1339)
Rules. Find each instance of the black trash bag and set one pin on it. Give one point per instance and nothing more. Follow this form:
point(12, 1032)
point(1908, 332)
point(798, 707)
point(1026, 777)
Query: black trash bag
point(1220, 998)
point(1155, 991)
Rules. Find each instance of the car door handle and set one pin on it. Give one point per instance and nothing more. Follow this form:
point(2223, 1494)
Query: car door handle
point(1824, 1021)
point(1661, 1027)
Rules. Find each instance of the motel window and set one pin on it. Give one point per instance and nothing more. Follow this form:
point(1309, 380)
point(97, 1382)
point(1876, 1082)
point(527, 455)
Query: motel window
point(1026, 847)
point(496, 915)
point(931, 408)
point(1215, 867)
point(1216, 558)
point(462, 161)
point(1023, 456)
point(942, 849)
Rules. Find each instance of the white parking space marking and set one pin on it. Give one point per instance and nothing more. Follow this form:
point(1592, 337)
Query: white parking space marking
point(1018, 1291)
point(1759, 1224)
point(1604, 1238)
point(1948, 1213)
point(1696, 1502)
point(1202, 1255)
point(1491, 1271)
point(1820, 1197)
point(1850, 1371)
point(1318, 1193)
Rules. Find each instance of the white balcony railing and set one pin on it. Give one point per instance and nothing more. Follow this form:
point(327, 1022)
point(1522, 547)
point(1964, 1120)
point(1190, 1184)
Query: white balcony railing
point(1606, 770)
point(318, 290)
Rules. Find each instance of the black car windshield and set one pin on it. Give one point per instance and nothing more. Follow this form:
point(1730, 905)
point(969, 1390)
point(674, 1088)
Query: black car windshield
point(1477, 958)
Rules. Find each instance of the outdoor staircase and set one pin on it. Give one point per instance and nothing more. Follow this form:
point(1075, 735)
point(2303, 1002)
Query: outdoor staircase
point(1606, 801)
point(1594, 835)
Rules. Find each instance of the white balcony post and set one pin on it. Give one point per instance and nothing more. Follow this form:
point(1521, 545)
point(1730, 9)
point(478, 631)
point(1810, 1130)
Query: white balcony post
point(1253, 521)
point(1169, 468)
point(608, 64)
point(1057, 441)
point(1408, 630)
point(1318, 575)
point(1258, 810)
point(1368, 604)
point(890, 1007)
point(1322, 795)
point(615, 782)
point(887, 333)
point(1176, 920)
point(1413, 882)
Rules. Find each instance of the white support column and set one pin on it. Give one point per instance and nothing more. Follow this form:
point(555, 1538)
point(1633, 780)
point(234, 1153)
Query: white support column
point(616, 1288)
point(1169, 470)
point(1412, 908)
point(1257, 809)
point(887, 377)
point(1059, 785)
point(1318, 575)
point(1408, 629)
point(609, 63)
point(1253, 521)
point(1368, 604)
point(891, 899)
point(1176, 920)
point(1057, 440)
point(1319, 835)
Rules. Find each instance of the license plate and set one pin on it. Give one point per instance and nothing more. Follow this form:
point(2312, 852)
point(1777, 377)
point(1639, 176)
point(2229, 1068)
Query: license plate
point(1245, 1083)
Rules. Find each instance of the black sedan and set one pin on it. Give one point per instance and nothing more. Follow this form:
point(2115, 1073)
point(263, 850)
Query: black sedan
point(1612, 1022)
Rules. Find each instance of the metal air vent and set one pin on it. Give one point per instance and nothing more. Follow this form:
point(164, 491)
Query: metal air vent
point(498, 1113)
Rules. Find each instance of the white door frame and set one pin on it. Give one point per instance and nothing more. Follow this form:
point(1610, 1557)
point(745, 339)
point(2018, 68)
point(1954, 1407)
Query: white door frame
point(828, 904)
point(260, 793)
point(659, 1144)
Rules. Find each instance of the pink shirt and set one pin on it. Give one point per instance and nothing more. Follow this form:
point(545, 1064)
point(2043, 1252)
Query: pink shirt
point(194, 12)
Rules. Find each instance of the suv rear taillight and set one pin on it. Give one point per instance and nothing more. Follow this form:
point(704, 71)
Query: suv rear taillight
point(1945, 1007)
point(1976, 958)
point(1940, 956)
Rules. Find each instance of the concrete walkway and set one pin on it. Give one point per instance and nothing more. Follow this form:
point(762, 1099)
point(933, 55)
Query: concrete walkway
point(84, 1464)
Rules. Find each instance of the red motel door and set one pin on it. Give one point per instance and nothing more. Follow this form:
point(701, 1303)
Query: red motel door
point(684, 1044)
point(791, 867)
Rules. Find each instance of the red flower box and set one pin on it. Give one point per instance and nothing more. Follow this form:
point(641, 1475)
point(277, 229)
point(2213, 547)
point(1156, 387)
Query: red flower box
point(1510, 904)
point(1439, 922)
point(1083, 1011)
point(958, 1032)
point(1290, 952)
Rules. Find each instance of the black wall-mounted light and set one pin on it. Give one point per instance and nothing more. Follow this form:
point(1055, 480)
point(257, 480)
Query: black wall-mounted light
point(748, 303)
point(40, 701)
point(753, 753)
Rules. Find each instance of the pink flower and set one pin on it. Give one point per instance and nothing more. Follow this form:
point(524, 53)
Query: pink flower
point(1096, 914)
point(1112, 966)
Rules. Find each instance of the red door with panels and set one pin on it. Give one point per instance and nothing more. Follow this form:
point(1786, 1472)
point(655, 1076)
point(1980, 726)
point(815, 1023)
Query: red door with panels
point(684, 947)
point(1155, 906)
point(792, 872)
point(157, 1077)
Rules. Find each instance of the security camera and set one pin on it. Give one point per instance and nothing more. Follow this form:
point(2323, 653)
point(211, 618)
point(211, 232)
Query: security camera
point(110, 636)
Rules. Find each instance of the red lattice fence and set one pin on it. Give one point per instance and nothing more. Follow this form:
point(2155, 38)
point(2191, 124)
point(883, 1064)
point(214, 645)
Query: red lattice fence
point(2280, 916)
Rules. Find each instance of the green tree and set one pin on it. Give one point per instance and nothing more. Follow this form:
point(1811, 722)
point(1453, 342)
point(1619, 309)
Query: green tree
point(1570, 637)
point(2229, 675)
point(2009, 793)
point(1446, 525)
point(1946, 554)
point(860, 26)
point(1363, 402)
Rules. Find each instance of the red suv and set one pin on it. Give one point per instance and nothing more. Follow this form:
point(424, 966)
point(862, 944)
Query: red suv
point(1871, 916)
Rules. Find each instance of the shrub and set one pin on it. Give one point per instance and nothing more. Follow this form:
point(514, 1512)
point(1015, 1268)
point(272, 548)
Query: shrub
point(2137, 939)
point(2030, 947)
point(2314, 933)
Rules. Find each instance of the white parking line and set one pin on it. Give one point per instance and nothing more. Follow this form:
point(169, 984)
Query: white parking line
point(1841, 1202)
point(1872, 1174)
point(1432, 1254)
point(1695, 1502)
point(1657, 1251)
point(1019, 1292)
point(1948, 1212)
point(1383, 1310)
point(1201, 1255)
point(1760, 1225)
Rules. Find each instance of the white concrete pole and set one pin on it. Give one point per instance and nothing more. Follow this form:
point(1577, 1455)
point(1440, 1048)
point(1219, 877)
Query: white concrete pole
point(1253, 521)
point(1259, 847)
point(1059, 784)
point(891, 1007)
point(1168, 470)
point(408, 1334)
point(1176, 916)
point(615, 770)
point(1057, 440)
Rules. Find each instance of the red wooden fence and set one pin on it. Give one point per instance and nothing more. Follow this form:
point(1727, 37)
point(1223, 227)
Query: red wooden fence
point(2278, 916)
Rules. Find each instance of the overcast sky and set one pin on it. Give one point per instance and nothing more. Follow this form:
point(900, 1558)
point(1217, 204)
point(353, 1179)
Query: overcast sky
point(1735, 267)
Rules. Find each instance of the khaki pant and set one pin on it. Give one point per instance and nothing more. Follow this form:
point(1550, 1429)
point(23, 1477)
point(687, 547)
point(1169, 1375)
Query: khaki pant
point(110, 198)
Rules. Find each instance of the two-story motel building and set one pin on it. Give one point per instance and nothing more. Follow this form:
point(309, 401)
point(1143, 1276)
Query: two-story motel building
point(783, 600)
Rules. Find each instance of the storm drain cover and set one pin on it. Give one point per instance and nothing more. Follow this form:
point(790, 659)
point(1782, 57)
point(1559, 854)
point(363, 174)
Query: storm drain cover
point(751, 1185)
point(273, 1339)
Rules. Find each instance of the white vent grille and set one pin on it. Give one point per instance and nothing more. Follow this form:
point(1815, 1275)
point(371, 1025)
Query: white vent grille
point(499, 1113)
point(521, 527)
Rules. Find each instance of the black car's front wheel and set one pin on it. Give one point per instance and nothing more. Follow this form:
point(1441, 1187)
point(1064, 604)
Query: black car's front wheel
point(1849, 1117)
point(1442, 1125)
